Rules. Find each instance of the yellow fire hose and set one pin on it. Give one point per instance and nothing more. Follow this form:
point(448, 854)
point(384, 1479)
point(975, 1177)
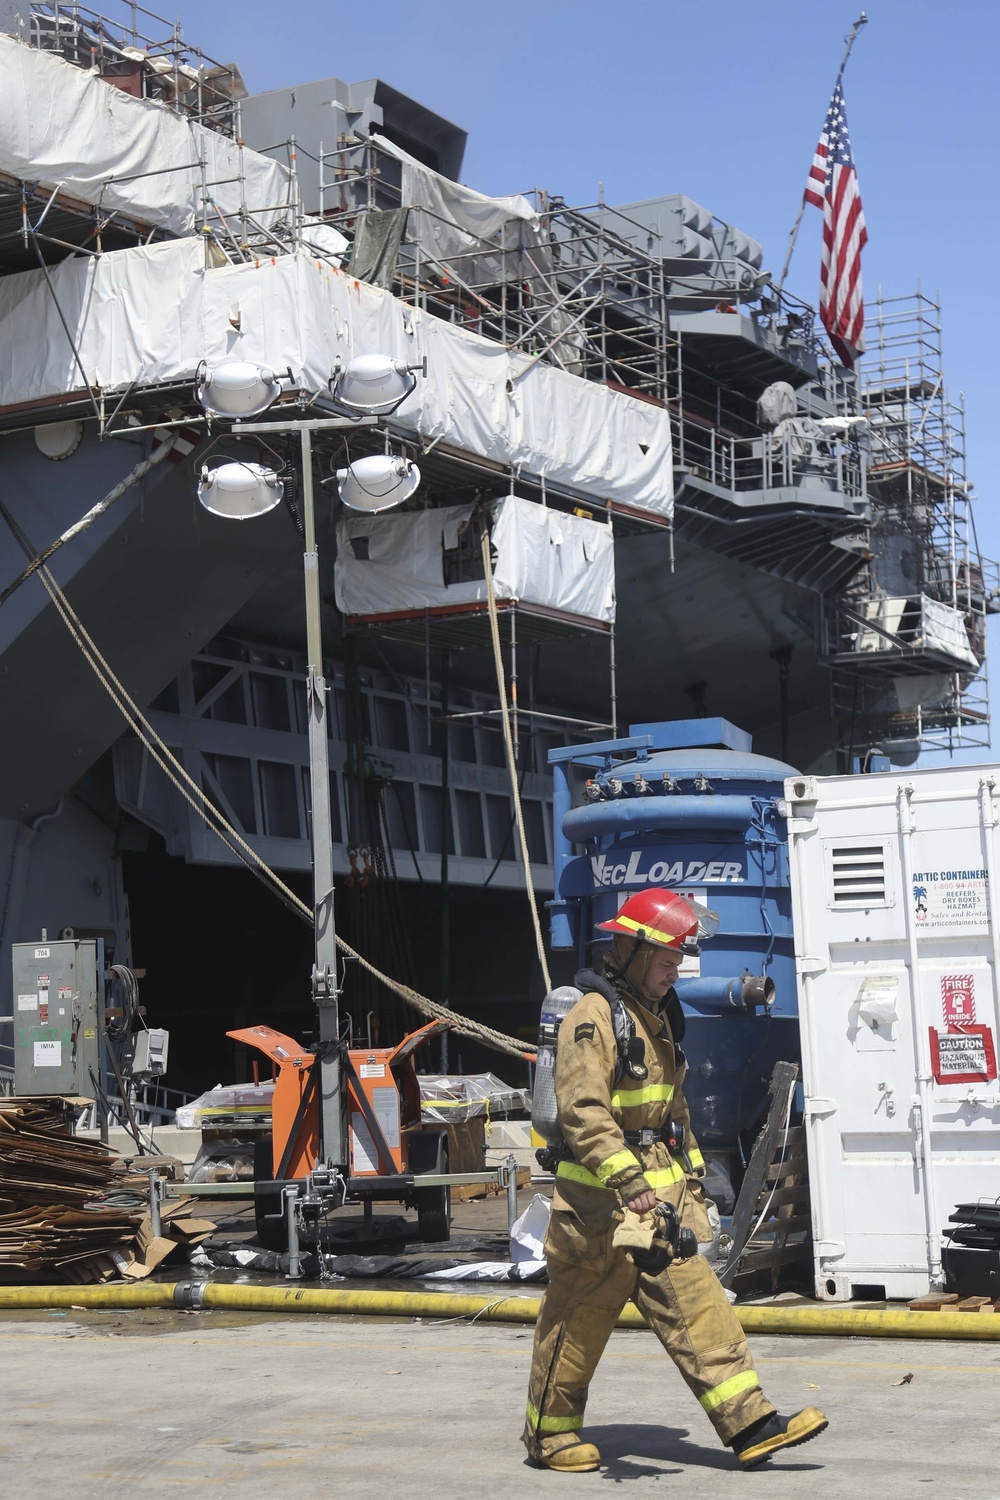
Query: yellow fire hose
point(848, 1322)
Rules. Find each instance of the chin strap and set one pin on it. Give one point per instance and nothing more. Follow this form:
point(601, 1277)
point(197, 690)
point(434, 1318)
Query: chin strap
point(618, 975)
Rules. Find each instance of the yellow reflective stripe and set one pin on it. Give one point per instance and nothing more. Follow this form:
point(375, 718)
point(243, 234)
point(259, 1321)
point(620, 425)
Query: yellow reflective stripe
point(553, 1424)
point(653, 1093)
point(653, 934)
point(695, 1158)
point(748, 1381)
point(617, 1163)
point(576, 1173)
point(661, 1178)
point(665, 1177)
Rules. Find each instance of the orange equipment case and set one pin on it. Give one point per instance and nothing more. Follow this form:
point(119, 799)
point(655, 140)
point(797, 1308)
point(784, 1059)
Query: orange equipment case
point(383, 1103)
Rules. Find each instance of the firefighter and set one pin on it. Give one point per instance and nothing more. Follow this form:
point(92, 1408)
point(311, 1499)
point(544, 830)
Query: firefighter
point(627, 1141)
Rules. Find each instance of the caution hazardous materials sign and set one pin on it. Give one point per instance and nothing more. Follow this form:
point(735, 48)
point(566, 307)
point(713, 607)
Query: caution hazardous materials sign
point(963, 1057)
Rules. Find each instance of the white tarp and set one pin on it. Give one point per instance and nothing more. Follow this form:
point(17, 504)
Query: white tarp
point(483, 241)
point(541, 557)
point(63, 126)
point(939, 627)
point(457, 219)
point(150, 314)
point(944, 630)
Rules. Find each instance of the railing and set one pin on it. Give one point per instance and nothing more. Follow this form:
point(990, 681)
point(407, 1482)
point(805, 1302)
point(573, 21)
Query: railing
point(769, 461)
point(147, 1111)
point(574, 287)
point(162, 67)
point(879, 631)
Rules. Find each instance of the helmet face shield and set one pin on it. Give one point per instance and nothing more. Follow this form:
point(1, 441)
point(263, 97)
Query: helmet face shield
point(708, 921)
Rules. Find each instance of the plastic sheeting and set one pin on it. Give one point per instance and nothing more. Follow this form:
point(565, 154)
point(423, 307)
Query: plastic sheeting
point(451, 1100)
point(324, 241)
point(63, 126)
point(227, 1104)
point(150, 314)
point(542, 557)
point(528, 1231)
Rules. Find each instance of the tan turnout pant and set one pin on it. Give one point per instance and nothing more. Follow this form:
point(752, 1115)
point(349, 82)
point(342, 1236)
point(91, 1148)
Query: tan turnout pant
point(589, 1284)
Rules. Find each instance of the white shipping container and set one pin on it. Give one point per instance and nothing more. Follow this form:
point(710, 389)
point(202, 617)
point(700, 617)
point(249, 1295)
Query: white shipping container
point(897, 946)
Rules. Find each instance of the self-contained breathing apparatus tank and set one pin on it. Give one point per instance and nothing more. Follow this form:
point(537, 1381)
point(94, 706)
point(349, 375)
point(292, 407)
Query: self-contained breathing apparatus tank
point(555, 1007)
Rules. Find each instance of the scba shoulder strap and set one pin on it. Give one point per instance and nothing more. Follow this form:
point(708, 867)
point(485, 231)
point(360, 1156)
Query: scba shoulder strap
point(631, 1048)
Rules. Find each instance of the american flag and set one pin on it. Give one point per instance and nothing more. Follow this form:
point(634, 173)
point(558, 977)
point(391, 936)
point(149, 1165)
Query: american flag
point(833, 186)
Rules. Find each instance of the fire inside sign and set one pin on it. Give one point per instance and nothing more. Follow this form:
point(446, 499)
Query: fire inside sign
point(958, 999)
point(963, 1056)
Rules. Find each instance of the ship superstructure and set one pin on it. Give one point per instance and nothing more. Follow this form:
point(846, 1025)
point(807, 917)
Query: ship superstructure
point(628, 366)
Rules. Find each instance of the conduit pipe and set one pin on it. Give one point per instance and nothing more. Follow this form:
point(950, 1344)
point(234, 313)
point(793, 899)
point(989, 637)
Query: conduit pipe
point(842, 1322)
point(712, 995)
point(645, 813)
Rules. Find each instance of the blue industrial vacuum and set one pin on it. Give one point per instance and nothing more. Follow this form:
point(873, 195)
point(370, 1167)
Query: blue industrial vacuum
point(687, 805)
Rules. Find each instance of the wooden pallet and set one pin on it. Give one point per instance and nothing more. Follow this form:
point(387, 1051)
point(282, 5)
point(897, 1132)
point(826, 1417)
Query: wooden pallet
point(772, 1224)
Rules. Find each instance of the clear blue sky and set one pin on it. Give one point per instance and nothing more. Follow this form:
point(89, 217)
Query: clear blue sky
point(720, 99)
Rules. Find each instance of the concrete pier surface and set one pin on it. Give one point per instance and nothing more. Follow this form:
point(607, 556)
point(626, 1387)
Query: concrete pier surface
point(153, 1404)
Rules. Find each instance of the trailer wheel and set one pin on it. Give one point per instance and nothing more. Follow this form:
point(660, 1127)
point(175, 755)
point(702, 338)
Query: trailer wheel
point(267, 1200)
point(434, 1207)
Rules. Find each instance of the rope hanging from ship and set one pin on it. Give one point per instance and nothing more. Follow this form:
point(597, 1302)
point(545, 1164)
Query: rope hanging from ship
point(217, 823)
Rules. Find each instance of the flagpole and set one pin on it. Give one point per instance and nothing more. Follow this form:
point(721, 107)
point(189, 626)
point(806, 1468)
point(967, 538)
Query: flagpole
point(850, 39)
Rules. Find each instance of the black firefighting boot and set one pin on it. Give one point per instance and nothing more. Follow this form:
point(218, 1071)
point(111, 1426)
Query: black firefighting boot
point(755, 1444)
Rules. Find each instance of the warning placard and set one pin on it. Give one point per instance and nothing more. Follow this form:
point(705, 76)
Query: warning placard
point(958, 999)
point(963, 1057)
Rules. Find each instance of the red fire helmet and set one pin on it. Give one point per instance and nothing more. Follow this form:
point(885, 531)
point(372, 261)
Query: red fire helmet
point(665, 919)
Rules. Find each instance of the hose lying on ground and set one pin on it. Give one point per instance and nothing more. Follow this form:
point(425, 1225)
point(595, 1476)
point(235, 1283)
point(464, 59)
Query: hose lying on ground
point(847, 1322)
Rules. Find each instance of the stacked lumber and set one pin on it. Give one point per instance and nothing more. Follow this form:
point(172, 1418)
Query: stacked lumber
point(67, 1209)
point(953, 1302)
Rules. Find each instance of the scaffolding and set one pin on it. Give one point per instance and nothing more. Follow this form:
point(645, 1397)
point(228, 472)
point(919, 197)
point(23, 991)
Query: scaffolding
point(591, 289)
point(150, 63)
point(203, 180)
point(907, 643)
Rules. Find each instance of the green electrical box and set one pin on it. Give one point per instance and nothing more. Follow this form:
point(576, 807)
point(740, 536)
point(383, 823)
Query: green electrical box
point(56, 1028)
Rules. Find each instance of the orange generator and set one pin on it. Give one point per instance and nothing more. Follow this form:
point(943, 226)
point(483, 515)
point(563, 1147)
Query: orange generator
point(391, 1148)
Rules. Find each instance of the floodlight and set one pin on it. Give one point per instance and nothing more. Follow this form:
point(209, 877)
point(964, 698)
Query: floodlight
point(236, 388)
point(239, 491)
point(374, 384)
point(377, 482)
point(59, 440)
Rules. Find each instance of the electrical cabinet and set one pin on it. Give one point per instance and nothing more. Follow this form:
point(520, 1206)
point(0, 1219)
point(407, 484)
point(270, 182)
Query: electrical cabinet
point(56, 998)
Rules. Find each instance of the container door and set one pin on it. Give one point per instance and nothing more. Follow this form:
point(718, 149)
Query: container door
point(896, 946)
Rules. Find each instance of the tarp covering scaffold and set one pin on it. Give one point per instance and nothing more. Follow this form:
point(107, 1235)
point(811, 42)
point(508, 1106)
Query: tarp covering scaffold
point(543, 557)
point(65, 128)
point(146, 316)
